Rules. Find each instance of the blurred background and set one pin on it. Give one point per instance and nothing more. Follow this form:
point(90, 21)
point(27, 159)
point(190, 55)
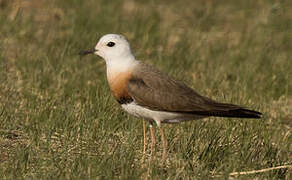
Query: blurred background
point(59, 121)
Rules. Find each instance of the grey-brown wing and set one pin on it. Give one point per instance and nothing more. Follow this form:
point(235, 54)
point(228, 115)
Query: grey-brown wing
point(158, 91)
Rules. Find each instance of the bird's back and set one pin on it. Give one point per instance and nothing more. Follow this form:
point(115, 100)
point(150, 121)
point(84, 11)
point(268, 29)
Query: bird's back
point(156, 90)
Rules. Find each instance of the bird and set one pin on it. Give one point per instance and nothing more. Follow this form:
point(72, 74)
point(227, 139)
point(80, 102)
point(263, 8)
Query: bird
point(157, 98)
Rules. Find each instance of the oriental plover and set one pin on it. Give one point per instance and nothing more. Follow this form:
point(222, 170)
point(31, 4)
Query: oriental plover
point(148, 93)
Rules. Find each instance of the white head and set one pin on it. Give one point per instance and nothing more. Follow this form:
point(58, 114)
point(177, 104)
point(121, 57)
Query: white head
point(113, 46)
point(115, 50)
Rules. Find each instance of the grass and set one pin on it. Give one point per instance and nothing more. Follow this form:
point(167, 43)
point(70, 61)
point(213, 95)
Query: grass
point(59, 121)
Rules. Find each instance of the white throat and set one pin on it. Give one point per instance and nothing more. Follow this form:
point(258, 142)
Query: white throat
point(120, 65)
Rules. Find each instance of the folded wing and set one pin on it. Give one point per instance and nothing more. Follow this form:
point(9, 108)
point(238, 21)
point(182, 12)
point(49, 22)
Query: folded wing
point(158, 91)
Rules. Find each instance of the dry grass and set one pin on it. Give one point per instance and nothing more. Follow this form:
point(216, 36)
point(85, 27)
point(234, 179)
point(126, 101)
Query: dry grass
point(58, 120)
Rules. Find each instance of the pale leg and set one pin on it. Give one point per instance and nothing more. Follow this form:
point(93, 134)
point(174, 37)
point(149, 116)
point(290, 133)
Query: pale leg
point(145, 140)
point(164, 143)
point(153, 141)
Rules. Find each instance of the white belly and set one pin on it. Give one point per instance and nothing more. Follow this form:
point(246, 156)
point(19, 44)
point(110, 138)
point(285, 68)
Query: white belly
point(157, 116)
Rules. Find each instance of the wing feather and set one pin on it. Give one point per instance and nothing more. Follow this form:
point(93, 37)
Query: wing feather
point(158, 91)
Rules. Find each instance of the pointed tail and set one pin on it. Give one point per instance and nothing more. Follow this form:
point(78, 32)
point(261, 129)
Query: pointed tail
point(239, 113)
point(229, 110)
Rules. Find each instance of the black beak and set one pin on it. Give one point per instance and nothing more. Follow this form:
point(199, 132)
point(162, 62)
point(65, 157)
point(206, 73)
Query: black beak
point(90, 51)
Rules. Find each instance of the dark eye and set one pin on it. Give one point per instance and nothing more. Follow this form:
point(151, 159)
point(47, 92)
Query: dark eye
point(110, 44)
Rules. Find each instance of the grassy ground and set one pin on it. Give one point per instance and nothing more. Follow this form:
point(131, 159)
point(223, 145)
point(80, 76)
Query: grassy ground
point(59, 121)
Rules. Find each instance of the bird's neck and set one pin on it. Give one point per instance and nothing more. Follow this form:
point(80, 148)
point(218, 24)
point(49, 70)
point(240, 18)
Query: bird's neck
point(119, 66)
point(118, 74)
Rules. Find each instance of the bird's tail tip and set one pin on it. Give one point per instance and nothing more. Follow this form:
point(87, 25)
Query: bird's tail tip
point(246, 113)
